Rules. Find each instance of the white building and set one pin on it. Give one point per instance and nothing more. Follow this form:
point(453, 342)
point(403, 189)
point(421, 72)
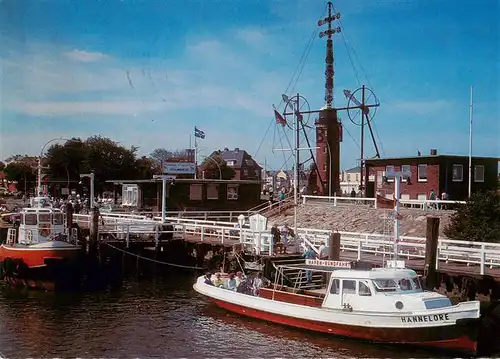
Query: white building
point(350, 179)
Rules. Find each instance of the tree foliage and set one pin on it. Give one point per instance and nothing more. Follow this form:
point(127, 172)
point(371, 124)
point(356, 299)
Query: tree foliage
point(161, 155)
point(2, 166)
point(106, 158)
point(211, 165)
point(21, 171)
point(478, 220)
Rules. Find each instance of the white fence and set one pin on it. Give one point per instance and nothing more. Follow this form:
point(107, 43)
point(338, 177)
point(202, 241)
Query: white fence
point(123, 226)
point(426, 205)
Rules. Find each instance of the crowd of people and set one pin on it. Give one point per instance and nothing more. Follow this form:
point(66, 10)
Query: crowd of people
point(239, 282)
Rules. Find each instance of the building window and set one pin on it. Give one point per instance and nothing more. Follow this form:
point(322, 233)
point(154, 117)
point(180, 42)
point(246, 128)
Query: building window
point(357, 177)
point(389, 170)
point(325, 168)
point(325, 150)
point(195, 192)
point(479, 173)
point(421, 196)
point(230, 163)
point(406, 169)
point(212, 191)
point(232, 192)
point(245, 172)
point(422, 173)
point(457, 174)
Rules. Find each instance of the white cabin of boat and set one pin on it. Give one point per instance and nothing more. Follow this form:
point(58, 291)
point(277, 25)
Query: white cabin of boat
point(381, 290)
point(40, 223)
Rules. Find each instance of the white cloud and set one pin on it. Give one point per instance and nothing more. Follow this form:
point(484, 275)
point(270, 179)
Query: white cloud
point(69, 108)
point(84, 56)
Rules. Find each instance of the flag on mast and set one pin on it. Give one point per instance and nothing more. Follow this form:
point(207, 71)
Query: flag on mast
point(279, 119)
point(199, 133)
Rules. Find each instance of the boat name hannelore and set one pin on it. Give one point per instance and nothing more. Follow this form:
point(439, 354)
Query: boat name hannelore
point(425, 318)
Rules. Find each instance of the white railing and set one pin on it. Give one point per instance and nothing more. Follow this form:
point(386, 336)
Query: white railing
point(339, 201)
point(479, 254)
point(425, 204)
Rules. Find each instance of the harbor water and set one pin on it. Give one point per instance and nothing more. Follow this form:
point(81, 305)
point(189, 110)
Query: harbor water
point(161, 318)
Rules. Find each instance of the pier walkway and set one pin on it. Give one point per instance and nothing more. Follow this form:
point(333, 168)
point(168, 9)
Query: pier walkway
point(453, 257)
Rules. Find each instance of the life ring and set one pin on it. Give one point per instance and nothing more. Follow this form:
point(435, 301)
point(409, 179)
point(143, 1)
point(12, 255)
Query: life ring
point(29, 237)
point(44, 230)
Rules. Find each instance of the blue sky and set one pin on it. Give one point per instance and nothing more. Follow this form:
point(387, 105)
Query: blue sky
point(146, 72)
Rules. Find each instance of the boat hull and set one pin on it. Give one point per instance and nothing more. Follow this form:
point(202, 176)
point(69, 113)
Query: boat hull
point(39, 256)
point(454, 337)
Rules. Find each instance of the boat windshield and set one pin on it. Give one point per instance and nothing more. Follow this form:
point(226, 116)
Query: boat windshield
point(404, 284)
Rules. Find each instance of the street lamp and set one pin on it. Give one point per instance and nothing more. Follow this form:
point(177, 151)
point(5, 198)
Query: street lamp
point(39, 181)
point(241, 222)
point(217, 163)
point(397, 176)
point(90, 175)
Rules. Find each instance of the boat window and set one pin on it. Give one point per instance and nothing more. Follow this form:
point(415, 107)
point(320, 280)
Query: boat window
point(57, 218)
point(385, 285)
point(44, 218)
point(30, 219)
point(405, 284)
point(21, 218)
point(364, 290)
point(334, 289)
point(416, 283)
point(348, 286)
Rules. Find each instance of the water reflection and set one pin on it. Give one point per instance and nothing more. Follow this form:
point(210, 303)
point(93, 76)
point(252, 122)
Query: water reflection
point(162, 318)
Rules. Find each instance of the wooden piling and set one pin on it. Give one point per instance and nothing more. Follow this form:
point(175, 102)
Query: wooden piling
point(94, 233)
point(69, 217)
point(431, 246)
point(334, 246)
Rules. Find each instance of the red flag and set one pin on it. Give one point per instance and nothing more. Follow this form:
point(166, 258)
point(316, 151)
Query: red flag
point(279, 119)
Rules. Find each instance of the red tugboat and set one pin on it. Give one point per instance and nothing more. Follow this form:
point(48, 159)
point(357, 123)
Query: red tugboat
point(39, 247)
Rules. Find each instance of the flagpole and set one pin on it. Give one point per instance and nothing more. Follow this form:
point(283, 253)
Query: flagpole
point(470, 139)
point(195, 155)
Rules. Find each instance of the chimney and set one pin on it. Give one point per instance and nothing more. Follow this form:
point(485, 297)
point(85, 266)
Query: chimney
point(434, 152)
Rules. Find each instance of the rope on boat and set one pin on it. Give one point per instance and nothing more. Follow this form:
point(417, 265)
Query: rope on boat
point(153, 260)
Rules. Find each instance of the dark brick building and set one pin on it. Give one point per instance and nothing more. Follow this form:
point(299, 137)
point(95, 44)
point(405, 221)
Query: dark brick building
point(197, 194)
point(441, 173)
point(243, 164)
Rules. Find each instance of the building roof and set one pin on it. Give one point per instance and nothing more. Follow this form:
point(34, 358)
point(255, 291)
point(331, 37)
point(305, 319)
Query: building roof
point(238, 156)
point(356, 169)
point(185, 180)
point(426, 157)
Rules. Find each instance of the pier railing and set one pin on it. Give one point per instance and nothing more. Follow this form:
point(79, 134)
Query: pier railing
point(425, 204)
point(135, 228)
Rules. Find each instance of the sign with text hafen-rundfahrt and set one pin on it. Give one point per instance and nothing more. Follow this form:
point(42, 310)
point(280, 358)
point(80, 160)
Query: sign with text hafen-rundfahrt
point(179, 168)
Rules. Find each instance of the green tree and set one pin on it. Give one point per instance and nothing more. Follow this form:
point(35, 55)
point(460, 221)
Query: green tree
point(106, 158)
point(161, 155)
point(21, 172)
point(211, 165)
point(478, 220)
point(2, 166)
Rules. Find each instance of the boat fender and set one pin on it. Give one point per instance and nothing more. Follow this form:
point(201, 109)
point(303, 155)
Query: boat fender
point(29, 237)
